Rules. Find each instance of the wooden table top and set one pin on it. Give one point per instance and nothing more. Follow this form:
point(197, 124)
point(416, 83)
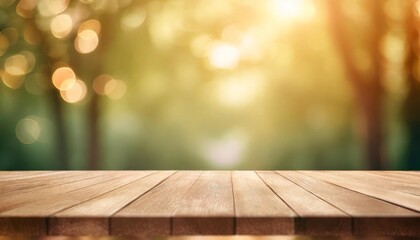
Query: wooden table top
point(163, 203)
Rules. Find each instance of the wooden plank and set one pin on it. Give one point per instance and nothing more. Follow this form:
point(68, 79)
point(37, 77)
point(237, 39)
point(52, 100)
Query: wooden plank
point(381, 181)
point(150, 204)
point(398, 177)
point(19, 175)
point(40, 181)
point(37, 211)
point(316, 216)
point(92, 217)
point(31, 226)
point(16, 199)
point(399, 198)
point(63, 200)
point(43, 208)
point(406, 177)
point(365, 210)
point(150, 215)
point(208, 208)
point(259, 211)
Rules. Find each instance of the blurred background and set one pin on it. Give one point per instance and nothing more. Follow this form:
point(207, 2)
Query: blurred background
point(220, 84)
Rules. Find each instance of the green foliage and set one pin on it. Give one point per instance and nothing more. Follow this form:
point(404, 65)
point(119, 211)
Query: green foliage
point(196, 84)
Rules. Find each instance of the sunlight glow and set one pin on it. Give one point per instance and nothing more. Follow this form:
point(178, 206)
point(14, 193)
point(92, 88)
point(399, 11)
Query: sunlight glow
point(226, 151)
point(224, 56)
point(239, 90)
point(293, 9)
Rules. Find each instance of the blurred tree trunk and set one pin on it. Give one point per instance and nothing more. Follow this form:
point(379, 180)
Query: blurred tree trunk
point(99, 57)
point(94, 136)
point(62, 153)
point(61, 147)
point(368, 91)
point(412, 102)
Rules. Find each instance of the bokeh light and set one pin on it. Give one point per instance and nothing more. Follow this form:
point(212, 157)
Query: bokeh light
point(28, 130)
point(91, 24)
point(48, 8)
point(64, 78)
point(110, 87)
point(61, 25)
point(116, 89)
point(11, 34)
point(196, 84)
point(100, 82)
point(12, 81)
point(223, 55)
point(76, 93)
point(86, 41)
point(31, 35)
point(25, 8)
point(4, 43)
point(133, 18)
point(20, 64)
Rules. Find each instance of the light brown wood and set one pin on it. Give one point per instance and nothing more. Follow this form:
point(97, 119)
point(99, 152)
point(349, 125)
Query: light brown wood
point(40, 181)
point(150, 215)
point(258, 210)
point(207, 208)
point(58, 202)
point(372, 189)
point(365, 210)
point(382, 181)
point(92, 217)
point(17, 175)
point(147, 204)
point(47, 204)
point(25, 195)
point(316, 216)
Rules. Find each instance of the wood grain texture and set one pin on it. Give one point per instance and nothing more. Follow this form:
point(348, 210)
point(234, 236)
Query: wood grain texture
point(27, 226)
point(60, 200)
point(258, 210)
point(375, 188)
point(363, 209)
point(384, 181)
point(207, 208)
point(61, 184)
point(92, 217)
point(150, 215)
point(147, 204)
point(316, 216)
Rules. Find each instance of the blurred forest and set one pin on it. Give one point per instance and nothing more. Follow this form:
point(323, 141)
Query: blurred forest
point(220, 84)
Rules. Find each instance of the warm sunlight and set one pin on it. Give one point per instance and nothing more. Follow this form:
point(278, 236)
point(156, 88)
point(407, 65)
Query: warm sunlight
point(148, 84)
point(224, 56)
point(293, 9)
point(239, 90)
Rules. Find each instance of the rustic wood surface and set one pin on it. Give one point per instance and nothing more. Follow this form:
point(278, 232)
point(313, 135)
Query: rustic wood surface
point(163, 203)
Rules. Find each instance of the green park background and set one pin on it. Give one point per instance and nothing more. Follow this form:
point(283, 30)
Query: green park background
point(220, 84)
